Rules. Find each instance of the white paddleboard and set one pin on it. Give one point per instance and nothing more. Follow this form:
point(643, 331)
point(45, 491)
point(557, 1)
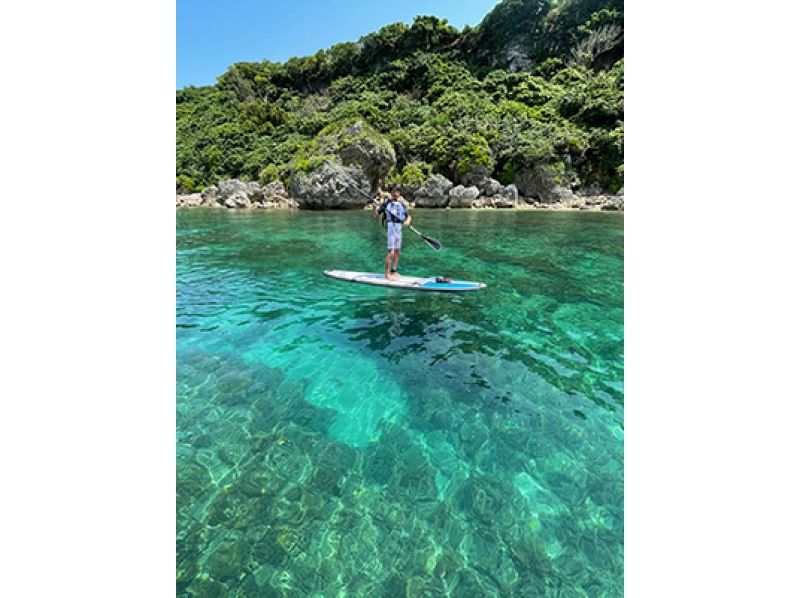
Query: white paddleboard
point(414, 283)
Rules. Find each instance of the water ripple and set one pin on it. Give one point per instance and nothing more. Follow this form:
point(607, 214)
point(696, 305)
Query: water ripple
point(333, 438)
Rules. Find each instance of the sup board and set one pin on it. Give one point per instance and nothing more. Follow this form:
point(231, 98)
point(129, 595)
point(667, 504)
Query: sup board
point(414, 283)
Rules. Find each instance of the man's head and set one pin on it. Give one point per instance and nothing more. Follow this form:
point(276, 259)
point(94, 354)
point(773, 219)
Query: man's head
point(395, 192)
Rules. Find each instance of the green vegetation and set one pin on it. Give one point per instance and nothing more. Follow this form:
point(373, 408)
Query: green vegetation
point(536, 82)
point(413, 174)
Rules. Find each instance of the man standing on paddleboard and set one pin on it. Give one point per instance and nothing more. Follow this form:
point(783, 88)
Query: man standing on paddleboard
point(395, 213)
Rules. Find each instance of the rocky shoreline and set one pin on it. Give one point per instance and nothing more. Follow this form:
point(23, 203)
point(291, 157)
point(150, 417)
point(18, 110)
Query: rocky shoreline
point(356, 161)
point(436, 194)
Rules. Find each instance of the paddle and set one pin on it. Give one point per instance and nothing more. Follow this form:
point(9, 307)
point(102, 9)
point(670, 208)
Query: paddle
point(432, 243)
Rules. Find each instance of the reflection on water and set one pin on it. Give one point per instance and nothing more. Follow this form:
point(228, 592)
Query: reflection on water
point(336, 439)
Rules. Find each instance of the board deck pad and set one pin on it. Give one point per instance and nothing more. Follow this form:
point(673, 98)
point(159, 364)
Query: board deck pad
point(414, 283)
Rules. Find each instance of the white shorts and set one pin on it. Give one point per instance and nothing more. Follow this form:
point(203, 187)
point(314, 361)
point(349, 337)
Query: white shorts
point(394, 235)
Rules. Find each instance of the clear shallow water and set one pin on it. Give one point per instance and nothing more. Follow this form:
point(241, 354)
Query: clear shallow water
point(335, 439)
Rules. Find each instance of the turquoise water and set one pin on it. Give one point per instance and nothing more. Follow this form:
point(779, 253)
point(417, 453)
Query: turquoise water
point(335, 439)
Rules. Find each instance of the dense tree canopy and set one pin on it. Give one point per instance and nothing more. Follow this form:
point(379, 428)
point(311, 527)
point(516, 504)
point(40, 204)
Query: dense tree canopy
point(537, 82)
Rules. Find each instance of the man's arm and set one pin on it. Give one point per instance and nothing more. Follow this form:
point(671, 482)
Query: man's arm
point(407, 221)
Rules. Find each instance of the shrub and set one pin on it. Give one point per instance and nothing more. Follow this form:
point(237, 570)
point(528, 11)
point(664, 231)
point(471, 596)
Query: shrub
point(268, 174)
point(413, 174)
point(185, 184)
point(508, 174)
point(475, 152)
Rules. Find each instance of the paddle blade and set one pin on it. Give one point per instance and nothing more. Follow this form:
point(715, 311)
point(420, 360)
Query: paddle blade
point(429, 240)
point(432, 242)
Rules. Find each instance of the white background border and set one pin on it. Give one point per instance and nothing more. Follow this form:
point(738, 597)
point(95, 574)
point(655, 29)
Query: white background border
point(711, 301)
point(88, 341)
point(88, 332)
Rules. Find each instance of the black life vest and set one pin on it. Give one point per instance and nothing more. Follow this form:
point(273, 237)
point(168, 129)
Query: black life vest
point(394, 211)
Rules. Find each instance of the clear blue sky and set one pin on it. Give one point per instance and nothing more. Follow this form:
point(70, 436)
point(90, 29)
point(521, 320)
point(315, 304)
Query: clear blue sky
point(213, 34)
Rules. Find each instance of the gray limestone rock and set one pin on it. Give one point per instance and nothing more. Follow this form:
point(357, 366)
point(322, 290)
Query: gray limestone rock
point(330, 186)
point(434, 193)
point(462, 197)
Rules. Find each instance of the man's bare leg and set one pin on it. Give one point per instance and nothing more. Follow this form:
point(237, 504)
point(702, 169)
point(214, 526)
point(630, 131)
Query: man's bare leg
point(396, 258)
point(387, 266)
